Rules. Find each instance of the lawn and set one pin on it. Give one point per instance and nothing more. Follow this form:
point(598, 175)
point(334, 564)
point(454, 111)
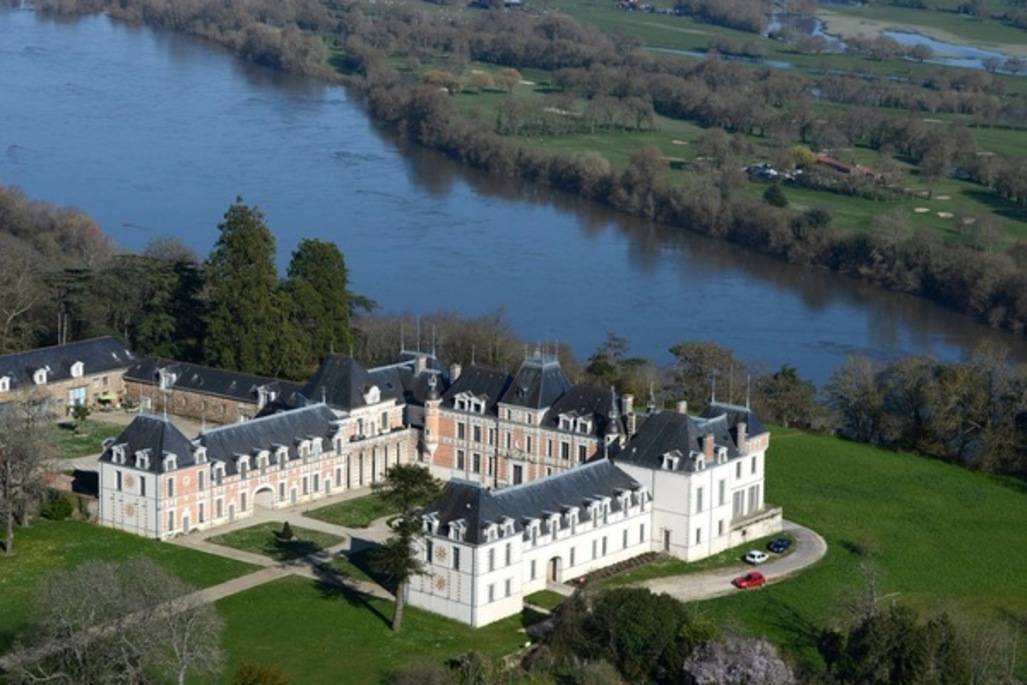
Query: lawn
point(85, 440)
point(940, 537)
point(672, 566)
point(319, 634)
point(264, 539)
point(359, 512)
point(49, 544)
point(547, 599)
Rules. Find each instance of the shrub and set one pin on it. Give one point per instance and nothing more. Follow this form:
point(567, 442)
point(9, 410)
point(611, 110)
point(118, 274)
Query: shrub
point(775, 197)
point(57, 507)
point(260, 674)
point(286, 533)
point(422, 672)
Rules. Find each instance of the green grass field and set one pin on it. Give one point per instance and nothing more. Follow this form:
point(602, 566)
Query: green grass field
point(85, 440)
point(547, 599)
point(941, 538)
point(264, 539)
point(322, 635)
point(359, 512)
point(48, 544)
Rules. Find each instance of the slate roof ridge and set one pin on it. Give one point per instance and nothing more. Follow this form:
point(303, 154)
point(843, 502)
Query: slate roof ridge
point(64, 345)
point(161, 362)
point(575, 470)
point(259, 419)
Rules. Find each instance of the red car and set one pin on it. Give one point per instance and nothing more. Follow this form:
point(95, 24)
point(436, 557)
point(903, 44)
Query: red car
point(751, 579)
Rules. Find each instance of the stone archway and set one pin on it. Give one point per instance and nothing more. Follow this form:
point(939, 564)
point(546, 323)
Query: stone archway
point(264, 498)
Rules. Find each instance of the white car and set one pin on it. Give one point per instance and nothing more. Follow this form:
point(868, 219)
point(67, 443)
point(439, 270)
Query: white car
point(755, 557)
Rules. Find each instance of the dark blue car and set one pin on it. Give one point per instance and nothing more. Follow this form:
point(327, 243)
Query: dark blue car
point(779, 545)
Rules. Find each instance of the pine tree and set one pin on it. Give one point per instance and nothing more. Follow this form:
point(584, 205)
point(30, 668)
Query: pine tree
point(245, 318)
point(317, 289)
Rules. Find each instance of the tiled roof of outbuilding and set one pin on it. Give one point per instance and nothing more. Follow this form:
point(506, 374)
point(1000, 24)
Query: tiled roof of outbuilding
point(206, 379)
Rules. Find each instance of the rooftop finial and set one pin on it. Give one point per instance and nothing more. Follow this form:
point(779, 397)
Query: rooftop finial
point(418, 332)
point(433, 340)
point(402, 331)
point(713, 379)
point(748, 389)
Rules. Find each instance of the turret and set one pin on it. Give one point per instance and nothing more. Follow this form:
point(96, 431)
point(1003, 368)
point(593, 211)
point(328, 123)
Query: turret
point(432, 405)
point(614, 434)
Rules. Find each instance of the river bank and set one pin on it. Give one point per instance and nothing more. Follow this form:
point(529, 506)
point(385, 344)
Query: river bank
point(420, 232)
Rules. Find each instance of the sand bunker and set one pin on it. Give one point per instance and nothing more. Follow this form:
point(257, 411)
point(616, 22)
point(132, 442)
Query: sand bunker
point(921, 210)
point(945, 215)
point(942, 197)
point(680, 142)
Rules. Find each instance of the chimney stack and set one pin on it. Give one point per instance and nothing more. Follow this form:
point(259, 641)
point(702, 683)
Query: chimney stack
point(682, 407)
point(743, 436)
point(628, 412)
point(707, 445)
point(454, 371)
point(420, 364)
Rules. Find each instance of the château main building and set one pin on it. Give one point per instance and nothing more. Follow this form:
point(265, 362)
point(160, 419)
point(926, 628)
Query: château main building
point(546, 480)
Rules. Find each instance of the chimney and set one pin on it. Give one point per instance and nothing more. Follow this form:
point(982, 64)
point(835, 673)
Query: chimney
point(741, 429)
point(628, 412)
point(681, 407)
point(454, 371)
point(420, 364)
point(707, 445)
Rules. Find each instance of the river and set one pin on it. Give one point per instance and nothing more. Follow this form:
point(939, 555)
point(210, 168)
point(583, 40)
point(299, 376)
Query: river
point(152, 133)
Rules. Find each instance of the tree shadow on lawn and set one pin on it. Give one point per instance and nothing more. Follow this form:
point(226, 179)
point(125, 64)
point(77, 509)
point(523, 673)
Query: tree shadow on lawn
point(998, 204)
point(287, 550)
point(330, 584)
point(801, 634)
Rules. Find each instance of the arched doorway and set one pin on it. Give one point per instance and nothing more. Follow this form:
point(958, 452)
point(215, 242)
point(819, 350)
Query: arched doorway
point(554, 570)
point(264, 498)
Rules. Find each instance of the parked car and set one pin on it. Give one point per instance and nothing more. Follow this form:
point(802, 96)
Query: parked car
point(755, 556)
point(750, 579)
point(779, 545)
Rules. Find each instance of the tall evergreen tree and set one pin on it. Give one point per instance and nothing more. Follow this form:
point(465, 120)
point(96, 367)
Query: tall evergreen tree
point(318, 294)
point(244, 320)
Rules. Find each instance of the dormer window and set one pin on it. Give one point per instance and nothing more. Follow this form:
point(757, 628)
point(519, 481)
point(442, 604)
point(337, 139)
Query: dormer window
point(263, 460)
point(219, 472)
point(565, 423)
point(373, 395)
point(507, 525)
point(554, 523)
point(243, 464)
point(282, 457)
point(77, 370)
point(456, 530)
point(431, 523)
point(5, 383)
point(39, 377)
point(118, 454)
point(200, 455)
point(721, 455)
point(143, 460)
point(491, 531)
point(572, 519)
point(170, 462)
point(305, 449)
point(167, 379)
point(315, 445)
point(670, 462)
point(584, 426)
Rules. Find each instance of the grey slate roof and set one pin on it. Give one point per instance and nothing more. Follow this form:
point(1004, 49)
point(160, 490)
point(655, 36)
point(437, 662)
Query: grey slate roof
point(582, 400)
point(537, 385)
point(480, 382)
point(734, 414)
point(156, 434)
point(478, 506)
point(286, 428)
point(96, 354)
point(196, 378)
point(341, 382)
point(667, 431)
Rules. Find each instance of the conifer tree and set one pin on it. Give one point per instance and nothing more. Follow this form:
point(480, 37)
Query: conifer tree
point(245, 318)
point(318, 296)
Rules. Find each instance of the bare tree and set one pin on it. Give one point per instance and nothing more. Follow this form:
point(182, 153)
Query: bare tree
point(25, 449)
point(145, 626)
point(21, 289)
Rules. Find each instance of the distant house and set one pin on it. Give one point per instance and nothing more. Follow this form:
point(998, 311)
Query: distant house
point(844, 168)
point(86, 372)
point(762, 171)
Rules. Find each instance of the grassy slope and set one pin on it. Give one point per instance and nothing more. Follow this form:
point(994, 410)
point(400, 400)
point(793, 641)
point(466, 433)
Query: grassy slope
point(263, 539)
point(47, 545)
point(942, 538)
point(353, 513)
point(318, 635)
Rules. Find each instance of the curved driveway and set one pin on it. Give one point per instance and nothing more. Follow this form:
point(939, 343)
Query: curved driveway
point(809, 548)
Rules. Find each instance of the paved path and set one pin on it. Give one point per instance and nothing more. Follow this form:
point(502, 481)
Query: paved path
point(809, 548)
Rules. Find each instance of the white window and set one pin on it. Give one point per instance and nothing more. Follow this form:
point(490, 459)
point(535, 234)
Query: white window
point(754, 464)
point(507, 587)
point(39, 377)
point(721, 492)
point(533, 569)
point(698, 535)
point(492, 560)
point(492, 592)
point(171, 487)
point(5, 383)
point(698, 500)
point(77, 370)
